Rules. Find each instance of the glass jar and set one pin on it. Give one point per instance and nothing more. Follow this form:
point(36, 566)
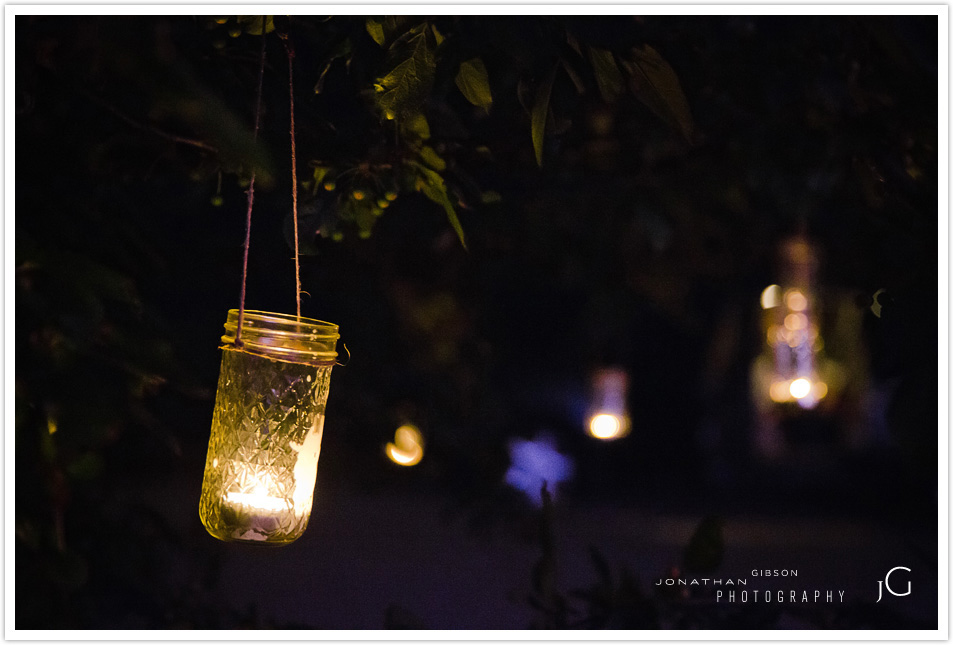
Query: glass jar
point(266, 429)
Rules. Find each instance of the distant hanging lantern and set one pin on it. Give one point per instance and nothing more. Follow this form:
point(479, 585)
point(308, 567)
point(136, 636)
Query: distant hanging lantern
point(793, 337)
point(609, 417)
point(267, 426)
point(269, 408)
point(407, 449)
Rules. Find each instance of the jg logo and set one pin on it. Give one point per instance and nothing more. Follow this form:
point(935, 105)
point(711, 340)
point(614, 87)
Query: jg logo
point(886, 583)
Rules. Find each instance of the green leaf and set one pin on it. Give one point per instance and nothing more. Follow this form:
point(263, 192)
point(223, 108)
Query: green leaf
point(474, 83)
point(386, 28)
point(252, 24)
point(376, 31)
point(655, 83)
point(437, 36)
point(405, 88)
point(539, 114)
point(320, 172)
point(608, 76)
point(365, 216)
point(431, 184)
point(430, 157)
point(417, 125)
point(573, 76)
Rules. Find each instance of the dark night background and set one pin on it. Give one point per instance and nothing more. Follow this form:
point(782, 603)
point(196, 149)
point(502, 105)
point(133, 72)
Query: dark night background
point(643, 241)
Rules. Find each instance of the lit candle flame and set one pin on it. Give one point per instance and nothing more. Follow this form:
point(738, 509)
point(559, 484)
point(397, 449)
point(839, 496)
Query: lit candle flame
point(607, 426)
point(259, 500)
point(800, 388)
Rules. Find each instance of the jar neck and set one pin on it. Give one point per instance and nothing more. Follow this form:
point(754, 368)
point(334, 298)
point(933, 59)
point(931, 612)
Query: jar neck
point(283, 337)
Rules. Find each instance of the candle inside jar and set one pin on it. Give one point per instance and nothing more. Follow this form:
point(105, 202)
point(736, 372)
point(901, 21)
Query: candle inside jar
point(258, 499)
point(267, 500)
point(262, 514)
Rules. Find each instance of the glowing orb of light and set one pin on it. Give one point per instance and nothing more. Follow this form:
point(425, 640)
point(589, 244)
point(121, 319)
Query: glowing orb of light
point(606, 426)
point(795, 300)
point(800, 388)
point(780, 391)
point(820, 388)
point(795, 322)
point(407, 449)
point(771, 297)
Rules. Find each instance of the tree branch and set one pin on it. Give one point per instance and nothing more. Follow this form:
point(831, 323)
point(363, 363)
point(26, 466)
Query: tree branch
point(149, 128)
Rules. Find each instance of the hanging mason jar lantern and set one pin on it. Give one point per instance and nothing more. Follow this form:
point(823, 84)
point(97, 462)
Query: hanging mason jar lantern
point(267, 426)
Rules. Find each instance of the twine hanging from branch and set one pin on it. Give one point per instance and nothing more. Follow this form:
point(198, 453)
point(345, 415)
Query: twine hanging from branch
point(289, 48)
point(251, 191)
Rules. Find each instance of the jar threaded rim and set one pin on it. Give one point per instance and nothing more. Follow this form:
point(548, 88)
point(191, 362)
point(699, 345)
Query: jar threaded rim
point(283, 336)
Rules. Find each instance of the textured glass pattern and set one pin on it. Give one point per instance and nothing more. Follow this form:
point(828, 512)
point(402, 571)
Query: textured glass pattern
point(263, 452)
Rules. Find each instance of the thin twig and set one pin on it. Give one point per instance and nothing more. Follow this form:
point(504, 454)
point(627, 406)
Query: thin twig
point(251, 193)
point(149, 128)
point(289, 48)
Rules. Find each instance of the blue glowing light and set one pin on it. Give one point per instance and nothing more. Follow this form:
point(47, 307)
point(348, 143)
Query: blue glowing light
point(534, 462)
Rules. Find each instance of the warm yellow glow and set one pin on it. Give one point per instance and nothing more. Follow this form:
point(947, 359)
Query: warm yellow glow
point(795, 300)
point(407, 449)
point(406, 436)
point(404, 458)
point(800, 388)
point(774, 333)
point(780, 391)
point(771, 297)
point(258, 498)
point(260, 486)
point(51, 425)
point(795, 322)
point(820, 389)
point(606, 426)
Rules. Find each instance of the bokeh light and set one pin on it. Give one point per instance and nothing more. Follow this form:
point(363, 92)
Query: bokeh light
point(795, 300)
point(608, 413)
point(771, 297)
point(407, 448)
point(795, 322)
point(607, 426)
point(800, 388)
point(535, 462)
point(780, 391)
